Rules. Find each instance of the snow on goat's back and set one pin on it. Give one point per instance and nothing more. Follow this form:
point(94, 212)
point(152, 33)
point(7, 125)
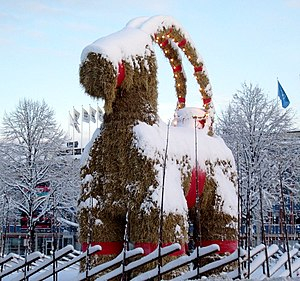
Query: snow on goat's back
point(151, 142)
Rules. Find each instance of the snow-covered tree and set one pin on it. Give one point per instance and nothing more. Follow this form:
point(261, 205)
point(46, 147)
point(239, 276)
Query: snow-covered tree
point(255, 127)
point(67, 191)
point(33, 170)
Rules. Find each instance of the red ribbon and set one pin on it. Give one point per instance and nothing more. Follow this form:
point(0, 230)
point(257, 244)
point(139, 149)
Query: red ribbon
point(164, 43)
point(226, 246)
point(150, 247)
point(170, 31)
point(181, 100)
point(202, 122)
point(177, 68)
point(198, 68)
point(121, 74)
point(207, 100)
point(108, 248)
point(191, 195)
point(182, 43)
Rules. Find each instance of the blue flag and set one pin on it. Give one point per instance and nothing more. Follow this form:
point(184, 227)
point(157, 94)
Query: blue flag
point(283, 97)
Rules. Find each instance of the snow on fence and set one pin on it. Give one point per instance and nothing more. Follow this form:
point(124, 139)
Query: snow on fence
point(37, 266)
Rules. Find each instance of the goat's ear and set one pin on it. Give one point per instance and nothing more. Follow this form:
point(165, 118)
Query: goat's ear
point(99, 78)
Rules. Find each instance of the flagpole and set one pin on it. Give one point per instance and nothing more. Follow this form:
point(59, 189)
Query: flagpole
point(69, 134)
point(69, 123)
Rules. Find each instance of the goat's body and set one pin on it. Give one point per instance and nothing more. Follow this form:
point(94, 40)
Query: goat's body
point(122, 179)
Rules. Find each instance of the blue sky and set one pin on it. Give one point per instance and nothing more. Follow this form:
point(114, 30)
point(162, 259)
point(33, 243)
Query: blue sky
point(240, 41)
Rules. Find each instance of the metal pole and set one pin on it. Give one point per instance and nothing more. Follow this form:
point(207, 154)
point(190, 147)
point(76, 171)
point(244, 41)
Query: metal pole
point(125, 245)
point(284, 222)
point(89, 238)
point(263, 235)
point(248, 223)
point(197, 225)
point(54, 275)
point(239, 212)
point(6, 223)
point(162, 205)
point(5, 230)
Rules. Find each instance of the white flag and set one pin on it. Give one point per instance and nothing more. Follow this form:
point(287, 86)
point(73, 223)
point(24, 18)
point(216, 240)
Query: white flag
point(93, 114)
point(85, 116)
point(71, 120)
point(73, 123)
point(100, 114)
point(76, 116)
